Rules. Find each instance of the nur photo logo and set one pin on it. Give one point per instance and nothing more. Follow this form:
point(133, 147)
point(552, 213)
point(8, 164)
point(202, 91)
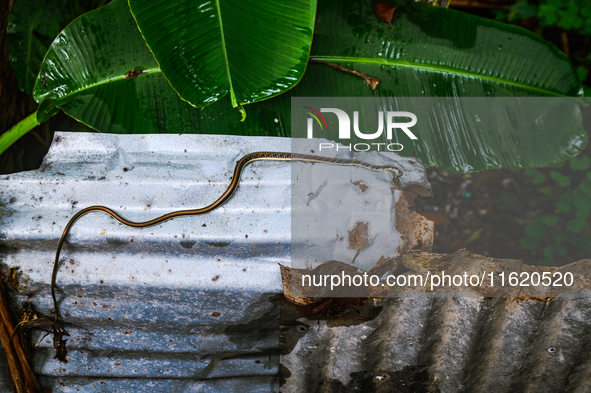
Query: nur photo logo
point(389, 121)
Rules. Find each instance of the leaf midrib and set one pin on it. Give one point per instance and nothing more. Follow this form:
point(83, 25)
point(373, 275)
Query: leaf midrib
point(431, 67)
point(105, 81)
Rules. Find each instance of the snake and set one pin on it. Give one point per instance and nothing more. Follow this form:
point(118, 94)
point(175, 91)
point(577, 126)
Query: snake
point(235, 182)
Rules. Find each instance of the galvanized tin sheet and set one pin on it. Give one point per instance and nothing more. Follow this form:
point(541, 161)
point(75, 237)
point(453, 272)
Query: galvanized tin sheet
point(188, 305)
point(149, 310)
point(423, 341)
point(191, 304)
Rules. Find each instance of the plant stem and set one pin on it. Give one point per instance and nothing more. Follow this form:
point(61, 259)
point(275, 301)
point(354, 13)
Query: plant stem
point(20, 129)
point(372, 82)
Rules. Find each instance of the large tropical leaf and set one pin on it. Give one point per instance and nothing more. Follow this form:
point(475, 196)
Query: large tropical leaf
point(252, 50)
point(86, 79)
point(84, 74)
point(435, 52)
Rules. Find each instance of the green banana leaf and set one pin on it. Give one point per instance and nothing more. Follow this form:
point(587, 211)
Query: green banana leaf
point(430, 52)
point(436, 52)
point(252, 50)
point(84, 74)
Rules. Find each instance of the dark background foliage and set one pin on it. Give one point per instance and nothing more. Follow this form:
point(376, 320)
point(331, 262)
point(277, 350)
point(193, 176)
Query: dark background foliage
point(539, 215)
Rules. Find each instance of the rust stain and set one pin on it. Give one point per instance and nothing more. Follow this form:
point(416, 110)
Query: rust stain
point(359, 236)
point(314, 304)
point(362, 186)
point(13, 276)
point(414, 229)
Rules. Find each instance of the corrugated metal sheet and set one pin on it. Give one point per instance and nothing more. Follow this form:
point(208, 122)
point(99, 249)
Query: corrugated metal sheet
point(192, 304)
point(195, 305)
point(349, 213)
point(188, 305)
point(458, 341)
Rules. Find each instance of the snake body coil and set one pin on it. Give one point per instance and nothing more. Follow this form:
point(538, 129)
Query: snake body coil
point(247, 159)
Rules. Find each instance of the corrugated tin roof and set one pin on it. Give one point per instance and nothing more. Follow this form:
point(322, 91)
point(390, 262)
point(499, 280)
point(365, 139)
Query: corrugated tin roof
point(452, 341)
point(195, 304)
point(189, 305)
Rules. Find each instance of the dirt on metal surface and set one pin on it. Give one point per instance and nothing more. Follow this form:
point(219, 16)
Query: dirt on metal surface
point(359, 236)
point(415, 229)
point(459, 339)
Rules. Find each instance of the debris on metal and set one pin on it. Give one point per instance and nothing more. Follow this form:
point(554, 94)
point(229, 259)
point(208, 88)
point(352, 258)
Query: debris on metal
point(196, 303)
point(352, 216)
point(454, 341)
point(188, 305)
